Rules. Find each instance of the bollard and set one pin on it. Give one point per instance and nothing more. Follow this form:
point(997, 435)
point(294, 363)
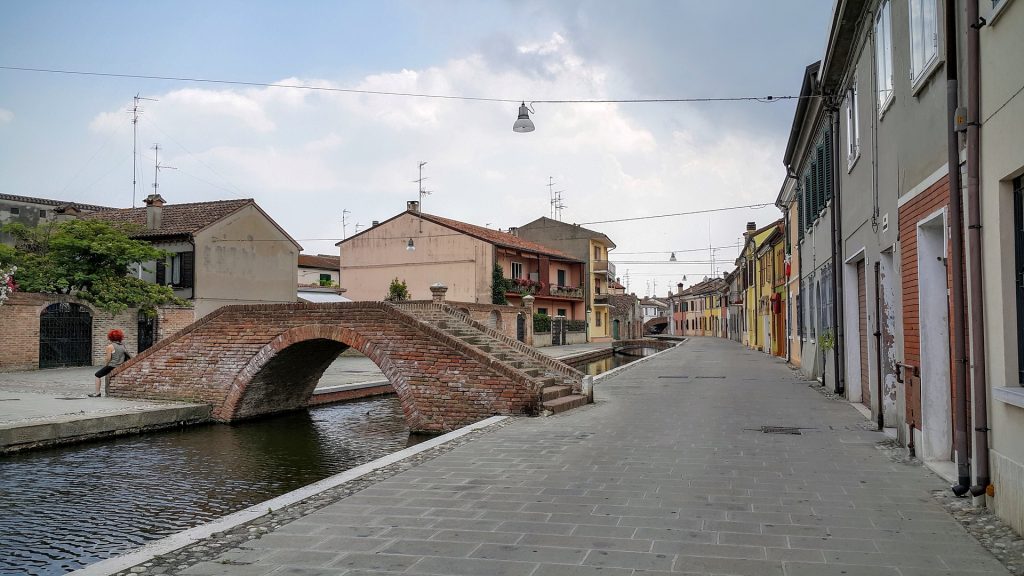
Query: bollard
point(588, 388)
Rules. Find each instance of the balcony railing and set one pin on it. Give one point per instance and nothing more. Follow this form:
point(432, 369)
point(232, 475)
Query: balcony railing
point(600, 298)
point(565, 291)
point(604, 266)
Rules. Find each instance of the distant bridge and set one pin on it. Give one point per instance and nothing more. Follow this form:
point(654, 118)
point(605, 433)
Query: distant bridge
point(251, 360)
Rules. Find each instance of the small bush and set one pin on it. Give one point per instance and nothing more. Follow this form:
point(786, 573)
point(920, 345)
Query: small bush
point(541, 323)
point(576, 325)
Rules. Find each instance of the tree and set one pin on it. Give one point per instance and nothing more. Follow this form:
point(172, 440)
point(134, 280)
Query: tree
point(499, 285)
point(398, 291)
point(90, 259)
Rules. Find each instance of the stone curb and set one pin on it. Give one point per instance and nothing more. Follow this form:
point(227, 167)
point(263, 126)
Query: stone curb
point(182, 539)
point(638, 361)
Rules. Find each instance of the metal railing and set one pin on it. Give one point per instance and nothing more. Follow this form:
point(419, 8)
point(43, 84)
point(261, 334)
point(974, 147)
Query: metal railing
point(565, 291)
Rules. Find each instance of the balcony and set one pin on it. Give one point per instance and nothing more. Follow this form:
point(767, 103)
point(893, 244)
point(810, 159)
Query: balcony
point(600, 299)
point(566, 292)
point(603, 267)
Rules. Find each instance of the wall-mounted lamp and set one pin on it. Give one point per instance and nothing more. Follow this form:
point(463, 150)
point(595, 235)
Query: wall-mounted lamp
point(672, 258)
point(523, 123)
point(410, 245)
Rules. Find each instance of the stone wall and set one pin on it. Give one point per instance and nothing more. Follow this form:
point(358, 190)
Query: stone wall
point(19, 317)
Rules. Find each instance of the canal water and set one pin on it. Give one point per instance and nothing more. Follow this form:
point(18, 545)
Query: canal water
point(603, 365)
point(66, 507)
point(63, 508)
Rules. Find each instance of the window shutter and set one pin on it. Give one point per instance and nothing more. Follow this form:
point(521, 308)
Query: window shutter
point(819, 193)
point(161, 272)
point(828, 165)
point(188, 265)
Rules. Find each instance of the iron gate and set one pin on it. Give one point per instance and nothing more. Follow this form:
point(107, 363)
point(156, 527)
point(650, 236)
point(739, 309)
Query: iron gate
point(521, 327)
point(65, 336)
point(558, 329)
point(147, 330)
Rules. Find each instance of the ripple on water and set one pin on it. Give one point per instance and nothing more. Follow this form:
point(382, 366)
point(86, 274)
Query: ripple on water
point(64, 508)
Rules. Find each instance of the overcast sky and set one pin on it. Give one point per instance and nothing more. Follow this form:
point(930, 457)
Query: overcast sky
point(306, 156)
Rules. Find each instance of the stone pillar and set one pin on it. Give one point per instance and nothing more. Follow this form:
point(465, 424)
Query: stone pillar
point(528, 312)
point(438, 290)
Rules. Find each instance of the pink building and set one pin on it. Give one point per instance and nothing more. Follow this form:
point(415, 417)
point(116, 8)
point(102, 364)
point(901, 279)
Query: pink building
point(423, 249)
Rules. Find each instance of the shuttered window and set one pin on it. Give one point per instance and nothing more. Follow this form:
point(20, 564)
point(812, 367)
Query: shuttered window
point(188, 266)
point(161, 272)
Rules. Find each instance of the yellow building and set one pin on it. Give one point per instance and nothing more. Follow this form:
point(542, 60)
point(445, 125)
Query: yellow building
point(755, 259)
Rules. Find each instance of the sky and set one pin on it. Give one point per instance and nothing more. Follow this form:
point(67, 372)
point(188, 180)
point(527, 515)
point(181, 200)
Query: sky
point(306, 156)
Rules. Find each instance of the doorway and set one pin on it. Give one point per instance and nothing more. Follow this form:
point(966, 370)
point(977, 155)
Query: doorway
point(933, 300)
point(65, 336)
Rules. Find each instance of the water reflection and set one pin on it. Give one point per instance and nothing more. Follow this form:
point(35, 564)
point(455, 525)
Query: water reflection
point(63, 508)
point(596, 367)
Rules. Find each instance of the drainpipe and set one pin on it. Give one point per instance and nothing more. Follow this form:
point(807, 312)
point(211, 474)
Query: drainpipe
point(837, 275)
point(878, 345)
point(981, 428)
point(960, 436)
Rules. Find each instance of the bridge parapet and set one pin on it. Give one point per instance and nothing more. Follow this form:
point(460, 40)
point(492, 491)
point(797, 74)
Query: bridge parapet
point(639, 343)
point(250, 360)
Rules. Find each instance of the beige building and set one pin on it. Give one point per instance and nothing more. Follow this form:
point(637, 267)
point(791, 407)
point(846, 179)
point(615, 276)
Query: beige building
point(1001, 179)
point(592, 248)
point(223, 252)
point(422, 249)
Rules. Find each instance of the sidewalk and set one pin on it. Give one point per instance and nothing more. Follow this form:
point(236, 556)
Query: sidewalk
point(669, 471)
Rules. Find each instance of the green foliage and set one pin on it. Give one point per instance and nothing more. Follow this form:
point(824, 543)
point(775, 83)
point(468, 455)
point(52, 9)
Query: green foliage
point(541, 323)
point(398, 291)
point(88, 258)
point(499, 285)
point(826, 340)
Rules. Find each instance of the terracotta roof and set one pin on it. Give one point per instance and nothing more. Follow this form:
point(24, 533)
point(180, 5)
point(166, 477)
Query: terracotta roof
point(616, 285)
point(58, 203)
point(319, 261)
point(175, 219)
point(496, 237)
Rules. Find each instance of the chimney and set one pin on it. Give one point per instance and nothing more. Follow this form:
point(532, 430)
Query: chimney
point(751, 226)
point(679, 288)
point(513, 230)
point(154, 208)
point(375, 223)
point(413, 206)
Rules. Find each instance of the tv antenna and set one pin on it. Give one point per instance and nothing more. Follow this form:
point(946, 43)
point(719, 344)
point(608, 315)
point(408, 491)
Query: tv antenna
point(157, 167)
point(419, 181)
point(555, 197)
point(135, 110)
point(627, 281)
point(344, 222)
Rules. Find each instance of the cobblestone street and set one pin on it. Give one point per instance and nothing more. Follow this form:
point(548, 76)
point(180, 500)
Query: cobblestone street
point(669, 471)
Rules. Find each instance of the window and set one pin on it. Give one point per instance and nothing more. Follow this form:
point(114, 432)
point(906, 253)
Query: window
point(42, 213)
point(883, 55)
point(852, 128)
point(597, 252)
point(597, 319)
point(543, 311)
point(182, 269)
point(561, 278)
point(924, 37)
point(561, 312)
point(325, 278)
point(15, 211)
point(597, 286)
point(517, 270)
point(1018, 235)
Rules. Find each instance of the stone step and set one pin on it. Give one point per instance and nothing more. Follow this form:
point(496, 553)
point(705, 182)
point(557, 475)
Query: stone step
point(564, 403)
point(556, 391)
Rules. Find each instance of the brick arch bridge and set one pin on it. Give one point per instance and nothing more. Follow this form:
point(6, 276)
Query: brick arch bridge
point(252, 360)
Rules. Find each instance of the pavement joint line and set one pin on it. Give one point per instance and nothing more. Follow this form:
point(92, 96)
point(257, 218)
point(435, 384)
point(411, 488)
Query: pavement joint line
point(193, 535)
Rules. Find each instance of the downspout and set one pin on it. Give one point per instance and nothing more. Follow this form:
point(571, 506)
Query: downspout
point(837, 276)
point(192, 241)
point(878, 345)
point(963, 466)
point(981, 428)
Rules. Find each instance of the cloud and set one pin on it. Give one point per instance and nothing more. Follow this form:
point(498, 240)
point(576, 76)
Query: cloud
point(307, 155)
point(6, 116)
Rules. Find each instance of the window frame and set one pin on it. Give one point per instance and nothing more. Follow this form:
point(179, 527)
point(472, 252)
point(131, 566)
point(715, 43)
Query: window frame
point(883, 44)
point(929, 62)
point(852, 125)
point(512, 267)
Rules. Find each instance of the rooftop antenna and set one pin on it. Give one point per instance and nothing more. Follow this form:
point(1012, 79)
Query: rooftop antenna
point(711, 251)
point(419, 181)
point(344, 223)
point(627, 281)
point(555, 199)
point(135, 141)
point(157, 167)
point(358, 226)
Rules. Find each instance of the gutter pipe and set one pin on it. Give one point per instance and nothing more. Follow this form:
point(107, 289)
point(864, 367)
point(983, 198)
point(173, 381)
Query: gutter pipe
point(837, 276)
point(981, 428)
point(960, 436)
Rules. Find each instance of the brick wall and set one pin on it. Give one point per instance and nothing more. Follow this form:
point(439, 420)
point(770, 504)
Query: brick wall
point(19, 317)
point(925, 204)
point(257, 359)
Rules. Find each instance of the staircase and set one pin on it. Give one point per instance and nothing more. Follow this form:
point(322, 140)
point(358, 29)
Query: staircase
point(558, 385)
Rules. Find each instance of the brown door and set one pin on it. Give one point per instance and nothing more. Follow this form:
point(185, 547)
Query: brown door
point(862, 322)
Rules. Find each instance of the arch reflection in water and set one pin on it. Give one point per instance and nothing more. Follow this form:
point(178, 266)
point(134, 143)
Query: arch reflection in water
point(63, 508)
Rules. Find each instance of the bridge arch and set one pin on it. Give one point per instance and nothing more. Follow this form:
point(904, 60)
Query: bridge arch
point(285, 372)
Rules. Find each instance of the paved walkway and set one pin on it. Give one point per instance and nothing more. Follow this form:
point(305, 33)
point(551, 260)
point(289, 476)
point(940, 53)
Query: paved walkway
point(668, 472)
